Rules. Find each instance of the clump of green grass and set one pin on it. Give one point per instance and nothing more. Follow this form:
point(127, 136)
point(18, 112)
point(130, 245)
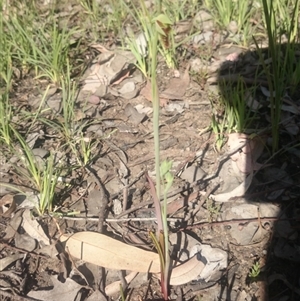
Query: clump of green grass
point(239, 116)
point(240, 12)
point(39, 44)
point(104, 20)
point(231, 112)
point(41, 176)
point(5, 120)
point(281, 72)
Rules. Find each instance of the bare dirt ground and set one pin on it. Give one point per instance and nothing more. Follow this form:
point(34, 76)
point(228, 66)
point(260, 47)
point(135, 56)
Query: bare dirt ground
point(254, 227)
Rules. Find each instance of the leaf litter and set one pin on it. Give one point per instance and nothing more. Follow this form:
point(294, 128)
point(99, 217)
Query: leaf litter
point(235, 232)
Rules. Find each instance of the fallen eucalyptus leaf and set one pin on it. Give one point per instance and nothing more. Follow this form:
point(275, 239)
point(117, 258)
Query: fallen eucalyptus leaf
point(238, 191)
point(251, 149)
point(207, 265)
point(66, 291)
point(110, 253)
point(8, 260)
point(107, 252)
point(188, 271)
point(177, 86)
point(7, 205)
point(13, 226)
point(33, 228)
point(25, 241)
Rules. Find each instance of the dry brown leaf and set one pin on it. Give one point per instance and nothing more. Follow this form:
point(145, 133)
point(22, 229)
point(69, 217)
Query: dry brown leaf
point(8, 260)
point(66, 291)
point(192, 268)
point(177, 86)
point(251, 149)
point(110, 253)
point(109, 67)
point(146, 91)
point(33, 228)
point(107, 252)
point(238, 191)
point(122, 76)
point(13, 226)
point(8, 199)
point(187, 271)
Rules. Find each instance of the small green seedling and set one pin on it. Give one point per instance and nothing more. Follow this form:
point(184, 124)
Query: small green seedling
point(213, 209)
point(255, 270)
point(6, 115)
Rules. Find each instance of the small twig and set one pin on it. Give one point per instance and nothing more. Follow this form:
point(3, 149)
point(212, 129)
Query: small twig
point(119, 220)
point(125, 197)
point(139, 206)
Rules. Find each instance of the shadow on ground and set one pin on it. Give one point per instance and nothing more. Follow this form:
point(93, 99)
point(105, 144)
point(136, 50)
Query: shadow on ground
point(274, 191)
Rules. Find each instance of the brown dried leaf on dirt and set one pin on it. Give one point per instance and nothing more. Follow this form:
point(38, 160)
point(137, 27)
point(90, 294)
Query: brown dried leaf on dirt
point(177, 86)
point(251, 149)
point(128, 90)
point(8, 260)
point(66, 291)
point(13, 226)
point(146, 92)
point(104, 251)
point(109, 67)
point(193, 173)
point(133, 115)
point(33, 228)
point(188, 271)
point(7, 205)
point(110, 253)
point(207, 265)
point(25, 242)
point(95, 202)
point(237, 192)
